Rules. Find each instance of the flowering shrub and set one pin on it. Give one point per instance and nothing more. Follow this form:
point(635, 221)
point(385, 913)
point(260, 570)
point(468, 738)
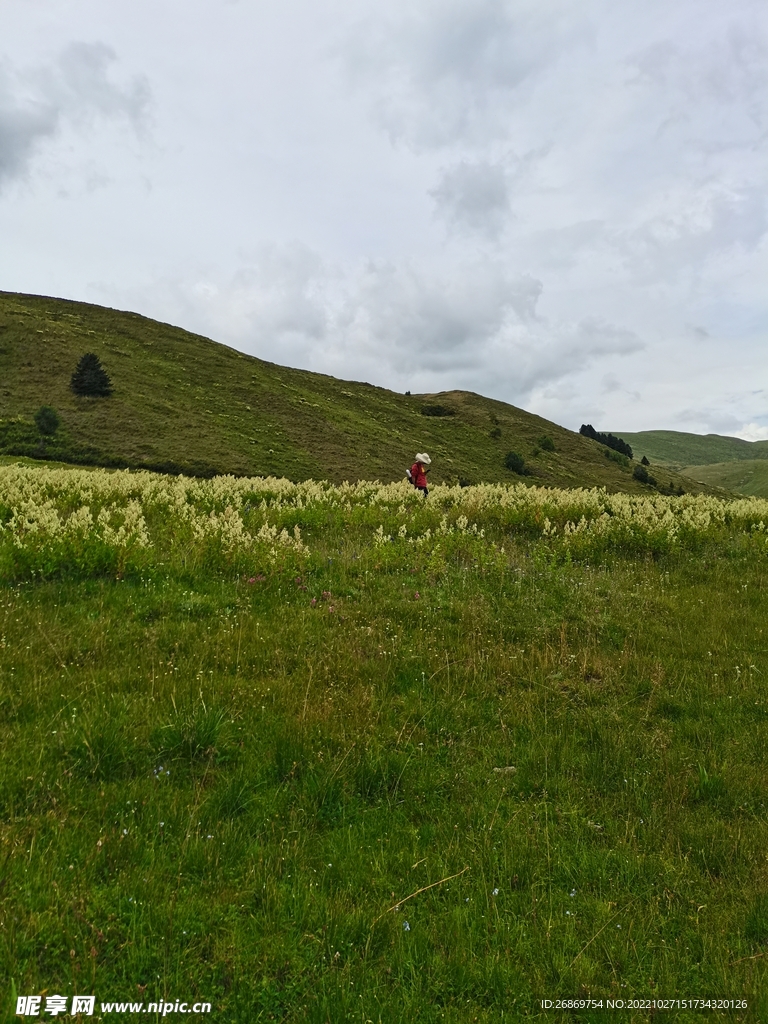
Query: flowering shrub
point(95, 520)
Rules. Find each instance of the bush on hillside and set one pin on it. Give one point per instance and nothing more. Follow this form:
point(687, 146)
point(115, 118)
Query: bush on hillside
point(644, 461)
point(641, 473)
point(515, 462)
point(437, 410)
point(546, 443)
point(495, 433)
point(47, 420)
point(617, 457)
point(90, 377)
point(616, 443)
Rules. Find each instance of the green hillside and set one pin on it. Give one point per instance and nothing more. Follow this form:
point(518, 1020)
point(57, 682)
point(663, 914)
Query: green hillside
point(745, 476)
point(184, 403)
point(679, 450)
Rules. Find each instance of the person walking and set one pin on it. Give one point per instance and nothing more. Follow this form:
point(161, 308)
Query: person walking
point(419, 472)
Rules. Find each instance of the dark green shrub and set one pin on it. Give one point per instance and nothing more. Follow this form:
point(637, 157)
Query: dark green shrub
point(437, 410)
point(515, 462)
point(90, 377)
point(47, 420)
point(641, 473)
point(644, 461)
point(495, 433)
point(546, 443)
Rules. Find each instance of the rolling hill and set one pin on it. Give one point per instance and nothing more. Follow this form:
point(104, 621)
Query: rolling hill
point(743, 476)
point(711, 459)
point(678, 450)
point(183, 403)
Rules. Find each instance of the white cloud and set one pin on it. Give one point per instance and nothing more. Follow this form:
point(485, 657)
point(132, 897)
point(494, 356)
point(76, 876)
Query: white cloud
point(76, 88)
point(753, 432)
point(562, 205)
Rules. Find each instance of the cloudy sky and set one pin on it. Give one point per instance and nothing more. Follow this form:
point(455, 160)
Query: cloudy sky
point(559, 203)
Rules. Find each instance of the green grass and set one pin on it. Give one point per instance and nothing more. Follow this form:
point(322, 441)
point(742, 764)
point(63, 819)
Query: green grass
point(184, 403)
point(242, 786)
point(746, 476)
point(681, 451)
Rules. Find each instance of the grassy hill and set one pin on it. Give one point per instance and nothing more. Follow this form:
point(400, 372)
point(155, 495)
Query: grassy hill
point(184, 403)
point(729, 463)
point(679, 450)
point(744, 476)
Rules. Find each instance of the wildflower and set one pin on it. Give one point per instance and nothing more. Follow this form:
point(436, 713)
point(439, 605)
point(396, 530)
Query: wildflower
point(417, 595)
point(406, 926)
point(313, 602)
point(252, 579)
point(331, 608)
point(326, 595)
point(495, 892)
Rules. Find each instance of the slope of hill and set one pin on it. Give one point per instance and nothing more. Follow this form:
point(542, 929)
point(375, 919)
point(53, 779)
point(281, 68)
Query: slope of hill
point(184, 403)
point(679, 450)
point(744, 476)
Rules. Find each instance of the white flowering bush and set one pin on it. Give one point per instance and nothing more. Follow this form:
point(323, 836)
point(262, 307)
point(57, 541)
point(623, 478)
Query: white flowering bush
point(99, 521)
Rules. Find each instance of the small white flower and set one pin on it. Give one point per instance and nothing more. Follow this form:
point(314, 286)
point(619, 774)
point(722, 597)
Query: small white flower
point(495, 892)
point(406, 926)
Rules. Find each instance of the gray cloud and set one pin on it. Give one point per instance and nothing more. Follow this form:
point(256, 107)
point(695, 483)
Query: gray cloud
point(406, 325)
point(600, 170)
point(474, 197)
point(444, 70)
point(76, 89)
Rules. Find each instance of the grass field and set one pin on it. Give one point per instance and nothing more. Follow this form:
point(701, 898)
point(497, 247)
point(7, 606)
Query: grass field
point(327, 754)
point(185, 403)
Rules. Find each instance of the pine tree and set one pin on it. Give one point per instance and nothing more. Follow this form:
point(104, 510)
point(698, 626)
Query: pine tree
point(90, 377)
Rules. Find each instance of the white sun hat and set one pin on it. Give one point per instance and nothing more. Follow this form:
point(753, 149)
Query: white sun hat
point(423, 458)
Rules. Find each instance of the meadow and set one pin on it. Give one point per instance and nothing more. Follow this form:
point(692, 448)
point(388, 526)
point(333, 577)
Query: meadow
point(336, 753)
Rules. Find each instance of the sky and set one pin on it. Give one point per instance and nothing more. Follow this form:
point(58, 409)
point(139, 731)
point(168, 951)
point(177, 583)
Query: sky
point(558, 204)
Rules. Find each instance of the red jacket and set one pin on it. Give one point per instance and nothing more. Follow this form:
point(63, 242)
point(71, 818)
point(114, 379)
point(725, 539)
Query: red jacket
point(418, 475)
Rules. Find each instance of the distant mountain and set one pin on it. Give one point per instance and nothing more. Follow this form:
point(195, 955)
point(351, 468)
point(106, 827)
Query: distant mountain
point(184, 403)
point(678, 450)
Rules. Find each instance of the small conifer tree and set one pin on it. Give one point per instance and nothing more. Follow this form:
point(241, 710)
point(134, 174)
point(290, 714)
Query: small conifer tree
point(47, 420)
point(90, 377)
